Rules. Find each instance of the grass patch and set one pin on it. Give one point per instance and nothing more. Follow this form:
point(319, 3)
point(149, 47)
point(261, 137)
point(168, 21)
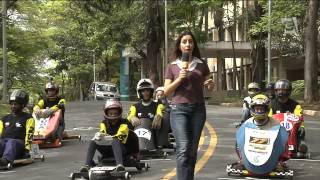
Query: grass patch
point(4, 109)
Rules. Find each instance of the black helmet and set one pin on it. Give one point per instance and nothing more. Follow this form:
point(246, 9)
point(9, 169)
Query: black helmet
point(270, 90)
point(283, 84)
point(270, 86)
point(20, 97)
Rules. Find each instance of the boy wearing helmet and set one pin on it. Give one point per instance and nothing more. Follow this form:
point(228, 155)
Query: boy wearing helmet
point(165, 129)
point(260, 107)
point(253, 89)
point(283, 103)
point(146, 107)
point(116, 130)
point(51, 103)
point(270, 93)
point(16, 129)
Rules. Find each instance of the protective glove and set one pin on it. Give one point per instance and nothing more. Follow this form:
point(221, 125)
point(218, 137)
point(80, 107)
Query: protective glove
point(105, 140)
point(47, 113)
point(135, 121)
point(97, 136)
point(38, 113)
point(156, 123)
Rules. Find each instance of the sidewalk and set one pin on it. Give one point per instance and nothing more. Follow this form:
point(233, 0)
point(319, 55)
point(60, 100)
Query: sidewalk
point(313, 113)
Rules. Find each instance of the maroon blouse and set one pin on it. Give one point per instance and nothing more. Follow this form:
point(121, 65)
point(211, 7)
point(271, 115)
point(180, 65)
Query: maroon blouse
point(190, 91)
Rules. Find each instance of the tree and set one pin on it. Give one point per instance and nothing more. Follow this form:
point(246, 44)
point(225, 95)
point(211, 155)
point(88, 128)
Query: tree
point(311, 55)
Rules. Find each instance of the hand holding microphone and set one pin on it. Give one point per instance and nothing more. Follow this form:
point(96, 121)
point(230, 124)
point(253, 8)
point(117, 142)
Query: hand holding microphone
point(185, 60)
point(185, 65)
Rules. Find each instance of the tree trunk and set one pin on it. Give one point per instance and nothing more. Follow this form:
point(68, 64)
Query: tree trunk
point(259, 54)
point(221, 71)
point(154, 39)
point(311, 57)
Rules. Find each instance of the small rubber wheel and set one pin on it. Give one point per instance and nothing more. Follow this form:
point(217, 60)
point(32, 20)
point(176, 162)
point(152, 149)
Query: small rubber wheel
point(9, 166)
point(127, 176)
point(42, 158)
point(146, 166)
point(72, 176)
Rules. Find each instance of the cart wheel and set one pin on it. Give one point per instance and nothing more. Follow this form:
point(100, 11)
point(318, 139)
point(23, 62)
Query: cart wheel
point(308, 155)
point(72, 176)
point(299, 155)
point(9, 166)
point(165, 155)
point(127, 175)
point(42, 158)
point(146, 166)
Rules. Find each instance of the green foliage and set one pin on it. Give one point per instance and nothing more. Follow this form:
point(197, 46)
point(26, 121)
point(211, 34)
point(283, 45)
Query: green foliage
point(297, 89)
point(4, 109)
point(285, 43)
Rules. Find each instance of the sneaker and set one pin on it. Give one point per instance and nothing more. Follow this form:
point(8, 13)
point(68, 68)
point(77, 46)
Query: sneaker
point(84, 169)
point(119, 168)
point(4, 162)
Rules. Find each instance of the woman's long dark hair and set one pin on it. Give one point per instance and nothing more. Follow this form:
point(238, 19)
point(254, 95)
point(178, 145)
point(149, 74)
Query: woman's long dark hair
point(195, 52)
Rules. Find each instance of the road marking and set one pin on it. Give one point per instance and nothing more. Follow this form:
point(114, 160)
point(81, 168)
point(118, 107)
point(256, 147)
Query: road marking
point(205, 157)
point(212, 146)
point(82, 129)
point(7, 172)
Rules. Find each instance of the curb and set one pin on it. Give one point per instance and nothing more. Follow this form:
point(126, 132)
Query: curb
point(306, 112)
point(312, 113)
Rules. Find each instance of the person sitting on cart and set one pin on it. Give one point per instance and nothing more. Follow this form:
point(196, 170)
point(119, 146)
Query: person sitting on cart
point(116, 132)
point(260, 107)
point(147, 108)
point(51, 103)
point(16, 129)
point(283, 104)
point(253, 89)
point(160, 97)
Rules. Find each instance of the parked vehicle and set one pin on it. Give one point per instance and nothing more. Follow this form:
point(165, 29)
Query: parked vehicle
point(103, 90)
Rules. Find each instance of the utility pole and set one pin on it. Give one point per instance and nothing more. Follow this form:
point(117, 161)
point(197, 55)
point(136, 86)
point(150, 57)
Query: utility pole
point(166, 36)
point(269, 43)
point(94, 65)
point(4, 51)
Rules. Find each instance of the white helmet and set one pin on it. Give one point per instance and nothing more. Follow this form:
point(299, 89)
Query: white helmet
point(160, 88)
point(144, 84)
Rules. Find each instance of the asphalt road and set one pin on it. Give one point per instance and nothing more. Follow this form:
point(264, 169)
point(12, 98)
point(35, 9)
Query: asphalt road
point(219, 132)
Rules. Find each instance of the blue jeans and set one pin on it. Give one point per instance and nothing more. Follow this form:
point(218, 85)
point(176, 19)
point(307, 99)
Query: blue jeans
point(187, 121)
point(11, 149)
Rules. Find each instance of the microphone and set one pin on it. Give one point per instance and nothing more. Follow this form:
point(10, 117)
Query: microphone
point(185, 60)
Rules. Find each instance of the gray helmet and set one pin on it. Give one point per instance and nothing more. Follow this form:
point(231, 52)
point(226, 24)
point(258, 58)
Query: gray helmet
point(20, 97)
point(253, 89)
point(283, 84)
point(52, 85)
point(112, 104)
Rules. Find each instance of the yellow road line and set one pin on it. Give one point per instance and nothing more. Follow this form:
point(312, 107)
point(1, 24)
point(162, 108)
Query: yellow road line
point(212, 146)
point(205, 157)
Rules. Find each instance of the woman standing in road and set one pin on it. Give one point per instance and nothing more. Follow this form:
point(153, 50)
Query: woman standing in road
point(185, 80)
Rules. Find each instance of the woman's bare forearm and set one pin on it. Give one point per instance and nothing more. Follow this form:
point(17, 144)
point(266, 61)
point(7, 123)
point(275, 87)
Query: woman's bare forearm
point(170, 86)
